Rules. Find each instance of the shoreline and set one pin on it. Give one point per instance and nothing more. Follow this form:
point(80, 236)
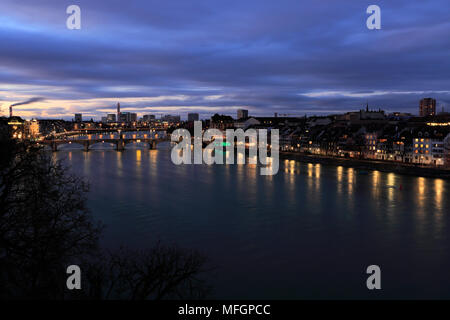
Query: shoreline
point(384, 166)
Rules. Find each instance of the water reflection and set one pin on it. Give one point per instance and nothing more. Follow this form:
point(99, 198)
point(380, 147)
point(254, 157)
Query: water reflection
point(245, 221)
point(376, 183)
point(391, 186)
point(339, 172)
point(350, 180)
point(119, 163)
point(438, 190)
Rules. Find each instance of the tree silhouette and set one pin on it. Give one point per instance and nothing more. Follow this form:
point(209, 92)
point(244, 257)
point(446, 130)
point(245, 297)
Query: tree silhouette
point(45, 226)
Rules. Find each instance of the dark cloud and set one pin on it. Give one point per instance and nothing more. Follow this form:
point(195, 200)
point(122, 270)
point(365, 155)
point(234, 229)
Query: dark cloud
point(266, 55)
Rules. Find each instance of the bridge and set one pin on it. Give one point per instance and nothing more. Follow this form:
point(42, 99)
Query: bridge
point(102, 130)
point(120, 143)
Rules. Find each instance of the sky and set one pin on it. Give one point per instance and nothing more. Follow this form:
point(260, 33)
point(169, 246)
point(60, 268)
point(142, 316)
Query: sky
point(210, 56)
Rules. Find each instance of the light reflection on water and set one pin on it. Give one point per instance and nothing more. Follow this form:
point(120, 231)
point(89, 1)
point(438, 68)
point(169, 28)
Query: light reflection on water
point(308, 232)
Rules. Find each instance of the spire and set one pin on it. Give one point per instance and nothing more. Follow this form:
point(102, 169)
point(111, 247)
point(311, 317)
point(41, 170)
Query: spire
point(367, 106)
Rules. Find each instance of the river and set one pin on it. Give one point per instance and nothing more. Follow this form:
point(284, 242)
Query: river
point(308, 232)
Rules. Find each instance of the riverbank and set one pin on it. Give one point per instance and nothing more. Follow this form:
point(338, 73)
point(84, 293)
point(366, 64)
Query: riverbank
point(384, 166)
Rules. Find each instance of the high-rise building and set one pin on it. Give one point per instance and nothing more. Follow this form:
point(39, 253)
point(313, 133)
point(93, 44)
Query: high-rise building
point(118, 112)
point(242, 114)
point(78, 117)
point(427, 107)
point(193, 116)
point(128, 117)
point(111, 117)
point(123, 117)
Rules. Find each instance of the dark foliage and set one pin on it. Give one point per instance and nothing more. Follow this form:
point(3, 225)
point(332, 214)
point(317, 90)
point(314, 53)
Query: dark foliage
point(45, 226)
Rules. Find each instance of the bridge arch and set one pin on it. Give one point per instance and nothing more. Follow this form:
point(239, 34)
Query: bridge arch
point(69, 143)
point(138, 144)
point(106, 145)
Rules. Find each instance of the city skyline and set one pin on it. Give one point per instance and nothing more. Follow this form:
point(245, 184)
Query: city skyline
point(161, 58)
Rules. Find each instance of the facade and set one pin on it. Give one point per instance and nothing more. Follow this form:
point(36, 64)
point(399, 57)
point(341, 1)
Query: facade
point(126, 117)
point(221, 122)
point(371, 115)
point(111, 117)
point(245, 123)
point(192, 117)
point(170, 118)
point(78, 117)
point(123, 117)
point(318, 121)
point(148, 118)
point(428, 151)
point(427, 107)
point(371, 140)
point(242, 114)
point(32, 127)
point(447, 151)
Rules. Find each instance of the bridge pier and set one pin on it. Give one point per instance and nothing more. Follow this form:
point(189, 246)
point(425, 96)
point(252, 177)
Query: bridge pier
point(54, 147)
point(86, 146)
point(152, 145)
point(120, 145)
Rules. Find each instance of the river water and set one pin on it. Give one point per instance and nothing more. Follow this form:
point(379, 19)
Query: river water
point(308, 232)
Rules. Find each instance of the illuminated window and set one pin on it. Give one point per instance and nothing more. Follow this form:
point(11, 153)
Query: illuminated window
point(416, 145)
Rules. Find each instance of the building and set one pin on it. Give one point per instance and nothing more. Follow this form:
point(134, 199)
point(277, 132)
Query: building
point(104, 119)
point(429, 149)
point(16, 127)
point(221, 122)
point(148, 118)
point(127, 117)
point(427, 107)
point(192, 117)
point(31, 129)
point(170, 119)
point(78, 117)
point(242, 114)
point(118, 112)
point(111, 117)
point(447, 150)
point(370, 144)
point(318, 121)
point(371, 114)
point(122, 117)
point(245, 123)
